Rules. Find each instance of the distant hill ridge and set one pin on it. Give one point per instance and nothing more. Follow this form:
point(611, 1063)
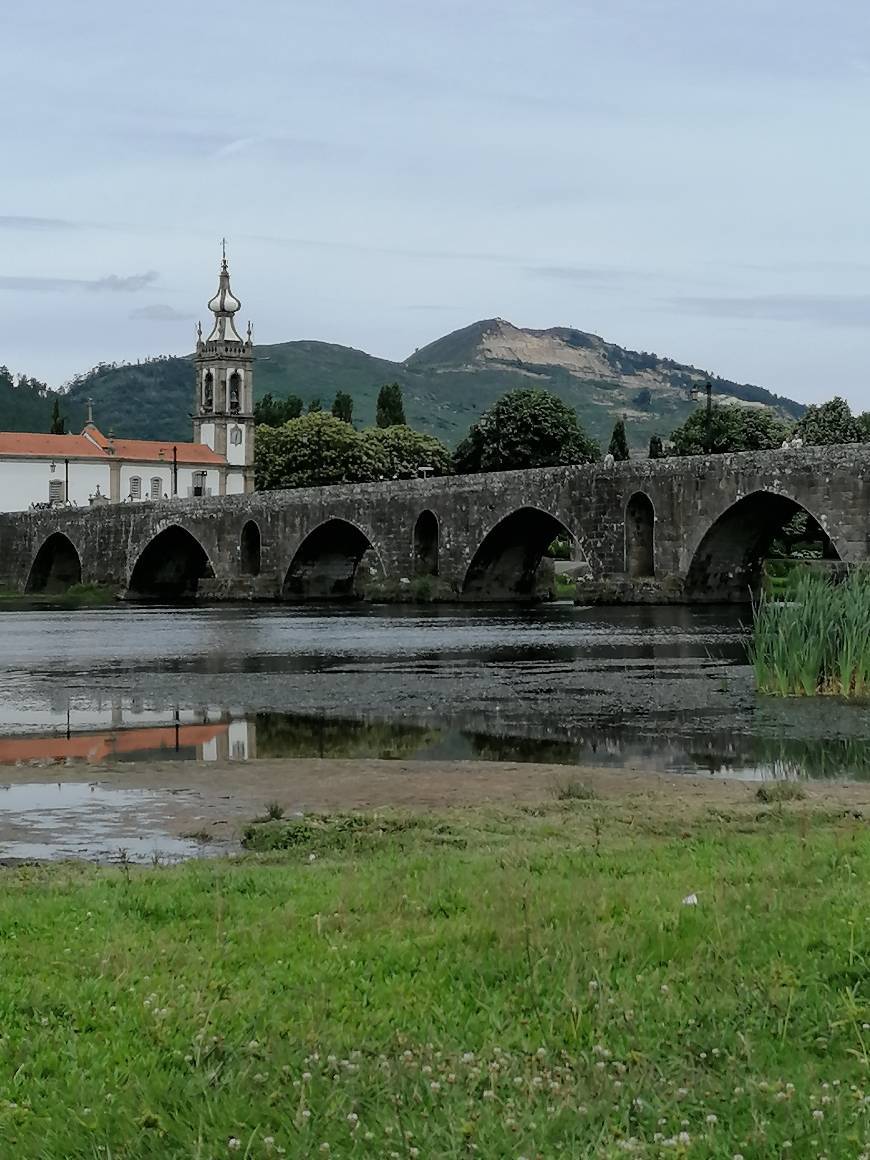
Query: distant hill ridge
point(447, 384)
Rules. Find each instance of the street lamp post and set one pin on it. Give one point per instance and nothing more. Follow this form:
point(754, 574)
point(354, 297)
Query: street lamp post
point(66, 480)
point(708, 422)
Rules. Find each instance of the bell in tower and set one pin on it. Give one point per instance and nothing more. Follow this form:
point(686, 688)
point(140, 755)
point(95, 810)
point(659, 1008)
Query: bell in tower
point(223, 416)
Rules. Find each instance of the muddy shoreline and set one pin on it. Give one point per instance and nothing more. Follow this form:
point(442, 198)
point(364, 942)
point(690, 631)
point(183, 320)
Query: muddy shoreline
point(171, 810)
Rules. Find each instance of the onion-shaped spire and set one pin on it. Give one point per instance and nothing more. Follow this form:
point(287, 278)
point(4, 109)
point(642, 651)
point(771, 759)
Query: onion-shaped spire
point(224, 306)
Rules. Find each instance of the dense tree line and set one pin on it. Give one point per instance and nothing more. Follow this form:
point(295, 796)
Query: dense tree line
point(525, 428)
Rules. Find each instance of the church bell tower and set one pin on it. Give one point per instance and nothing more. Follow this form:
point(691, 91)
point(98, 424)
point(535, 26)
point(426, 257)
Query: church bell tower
point(223, 416)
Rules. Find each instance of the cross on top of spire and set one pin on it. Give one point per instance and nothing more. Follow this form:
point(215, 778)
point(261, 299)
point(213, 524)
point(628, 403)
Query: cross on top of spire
point(224, 253)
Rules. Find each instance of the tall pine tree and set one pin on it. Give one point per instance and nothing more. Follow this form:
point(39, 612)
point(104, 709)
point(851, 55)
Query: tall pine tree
point(58, 423)
point(342, 407)
point(618, 443)
point(391, 406)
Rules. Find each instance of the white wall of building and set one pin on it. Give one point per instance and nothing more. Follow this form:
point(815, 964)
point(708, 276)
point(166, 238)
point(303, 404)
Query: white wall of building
point(145, 472)
point(26, 481)
point(235, 482)
point(236, 452)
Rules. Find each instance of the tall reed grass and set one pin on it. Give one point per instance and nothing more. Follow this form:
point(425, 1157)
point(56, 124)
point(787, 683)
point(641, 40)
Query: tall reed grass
point(818, 643)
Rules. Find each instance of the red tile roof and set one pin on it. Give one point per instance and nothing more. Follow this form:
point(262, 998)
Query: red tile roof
point(48, 446)
point(144, 450)
point(95, 446)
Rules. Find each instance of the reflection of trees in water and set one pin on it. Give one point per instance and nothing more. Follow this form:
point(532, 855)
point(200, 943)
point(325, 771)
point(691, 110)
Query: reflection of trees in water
point(287, 735)
point(487, 748)
point(821, 758)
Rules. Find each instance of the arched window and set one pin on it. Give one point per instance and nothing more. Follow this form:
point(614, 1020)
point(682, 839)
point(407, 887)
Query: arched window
point(156, 487)
point(135, 487)
point(208, 391)
point(55, 491)
point(235, 392)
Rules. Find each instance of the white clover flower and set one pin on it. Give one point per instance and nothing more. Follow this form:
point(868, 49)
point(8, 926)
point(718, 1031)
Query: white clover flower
point(234, 1143)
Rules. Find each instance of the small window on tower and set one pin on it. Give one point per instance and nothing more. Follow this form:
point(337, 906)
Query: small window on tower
point(135, 487)
point(235, 392)
point(236, 436)
point(208, 391)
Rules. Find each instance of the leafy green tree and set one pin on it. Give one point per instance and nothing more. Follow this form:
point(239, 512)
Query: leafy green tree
point(272, 412)
point(407, 450)
point(314, 406)
point(524, 428)
point(313, 450)
point(391, 406)
point(58, 423)
point(656, 447)
point(732, 428)
point(342, 407)
point(827, 423)
point(618, 443)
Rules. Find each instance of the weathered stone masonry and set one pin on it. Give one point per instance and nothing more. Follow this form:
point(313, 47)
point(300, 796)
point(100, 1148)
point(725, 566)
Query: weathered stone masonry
point(709, 520)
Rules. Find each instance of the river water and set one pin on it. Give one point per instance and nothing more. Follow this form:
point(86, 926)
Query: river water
point(664, 688)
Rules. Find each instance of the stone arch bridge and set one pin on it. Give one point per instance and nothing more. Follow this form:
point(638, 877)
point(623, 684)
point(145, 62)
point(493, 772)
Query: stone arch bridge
point(687, 529)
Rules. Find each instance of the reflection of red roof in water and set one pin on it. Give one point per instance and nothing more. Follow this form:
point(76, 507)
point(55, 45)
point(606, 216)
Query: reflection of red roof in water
point(102, 746)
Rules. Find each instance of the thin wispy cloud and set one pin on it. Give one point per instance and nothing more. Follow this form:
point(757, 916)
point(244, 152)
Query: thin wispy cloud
point(21, 222)
point(111, 283)
point(822, 309)
point(124, 284)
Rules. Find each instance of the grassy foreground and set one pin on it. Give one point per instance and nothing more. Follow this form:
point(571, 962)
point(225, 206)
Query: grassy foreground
point(528, 984)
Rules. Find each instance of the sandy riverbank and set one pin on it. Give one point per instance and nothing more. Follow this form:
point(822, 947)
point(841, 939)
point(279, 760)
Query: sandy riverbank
point(156, 807)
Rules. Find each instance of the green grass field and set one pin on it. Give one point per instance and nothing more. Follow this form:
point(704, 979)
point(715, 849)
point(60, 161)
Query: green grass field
point(524, 984)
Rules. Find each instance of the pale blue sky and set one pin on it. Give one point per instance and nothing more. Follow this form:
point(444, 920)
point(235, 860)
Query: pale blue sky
point(684, 177)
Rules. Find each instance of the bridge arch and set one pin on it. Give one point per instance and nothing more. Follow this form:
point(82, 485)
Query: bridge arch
point(726, 562)
point(250, 548)
point(56, 566)
point(640, 523)
point(325, 565)
point(427, 542)
point(170, 566)
point(505, 565)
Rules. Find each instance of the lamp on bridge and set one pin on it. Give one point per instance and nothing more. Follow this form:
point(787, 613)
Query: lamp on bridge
point(708, 425)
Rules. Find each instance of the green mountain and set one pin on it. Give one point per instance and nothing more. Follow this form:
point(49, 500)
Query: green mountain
point(447, 384)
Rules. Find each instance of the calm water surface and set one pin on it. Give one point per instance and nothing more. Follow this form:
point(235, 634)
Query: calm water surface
point(666, 687)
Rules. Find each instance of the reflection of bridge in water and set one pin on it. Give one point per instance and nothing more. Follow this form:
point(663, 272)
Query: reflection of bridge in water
point(227, 738)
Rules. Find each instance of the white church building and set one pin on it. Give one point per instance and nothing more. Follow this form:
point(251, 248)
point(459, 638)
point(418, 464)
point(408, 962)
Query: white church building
point(39, 470)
